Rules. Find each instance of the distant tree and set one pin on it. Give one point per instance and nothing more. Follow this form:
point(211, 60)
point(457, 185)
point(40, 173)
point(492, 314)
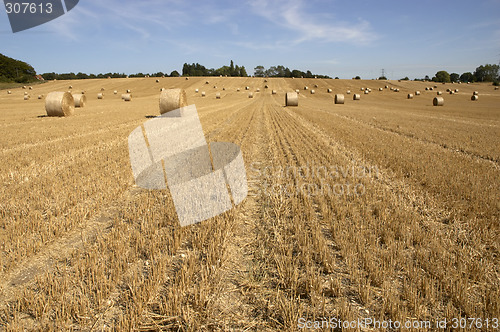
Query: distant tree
point(487, 73)
point(12, 70)
point(442, 76)
point(175, 73)
point(297, 73)
point(259, 71)
point(427, 78)
point(454, 77)
point(336, 77)
point(405, 79)
point(467, 77)
point(357, 78)
point(309, 74)
point(382, 78)
point(49, 76)
point(243, 72)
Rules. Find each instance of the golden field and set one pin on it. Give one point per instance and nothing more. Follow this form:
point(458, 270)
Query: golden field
point(383, 208)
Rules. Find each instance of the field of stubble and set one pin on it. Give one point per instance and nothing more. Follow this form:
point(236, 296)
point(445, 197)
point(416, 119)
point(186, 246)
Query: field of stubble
point(383, 208)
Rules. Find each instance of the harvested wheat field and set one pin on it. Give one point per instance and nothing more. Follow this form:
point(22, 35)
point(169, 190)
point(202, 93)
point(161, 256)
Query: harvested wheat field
point(383, 208)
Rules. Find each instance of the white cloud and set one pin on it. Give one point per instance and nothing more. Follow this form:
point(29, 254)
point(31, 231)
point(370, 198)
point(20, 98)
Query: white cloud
point(293, 15)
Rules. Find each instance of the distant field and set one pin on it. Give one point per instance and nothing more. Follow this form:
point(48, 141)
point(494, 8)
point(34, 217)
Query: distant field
point(382, 208)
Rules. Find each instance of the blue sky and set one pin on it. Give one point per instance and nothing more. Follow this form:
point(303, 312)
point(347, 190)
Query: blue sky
point(337, 38)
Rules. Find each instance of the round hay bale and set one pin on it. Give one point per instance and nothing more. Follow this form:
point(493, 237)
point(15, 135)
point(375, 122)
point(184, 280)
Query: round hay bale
point(40, 96)
point(196, 90)
point(380, 89)
point(316, 86)
point(187, 78)
point(291, 99)
point(474, 97)
point(475, 93)
point(313, 92)
point(27, 97)
point(265, 81)
point(247, 88)
point(362, 89)
point(83, 92)
point(100, 95)
point(431, 88)
point(329, 90)
point(24, 87)
point(426, 89)
point(217, 95)
point(438, 101)
point(417, 93)
point(392, 89)
point(410, 96)
point(127, 97)
point(203, 94)
point(9, 92)
point(258, 90)
point(439, 93)
point(250, 95)
point(339, 99)
point(435, 86)
point(396, 90)
point(115, 92)
point(207, 82)
point(25, 93)
point(238, 89)
point(128, 91)
point(452, 92)
point(367, 92)
point(496, 88)
point(273, 92)
point(306, 88)
point(223, 89)
point(215, 86)
point(348, 92)
point(157, 81)
point(387, 87)
point(173, 99)
point(448, 90)
point(59, 104)
point(266, 86)
point(456, 90)
point(297, 91)
point(102, 89)
point(162, 89)
point(356, 97)
point(80, 100)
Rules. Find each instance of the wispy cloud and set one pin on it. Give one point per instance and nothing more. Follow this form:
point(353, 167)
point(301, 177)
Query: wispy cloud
point(293, 15)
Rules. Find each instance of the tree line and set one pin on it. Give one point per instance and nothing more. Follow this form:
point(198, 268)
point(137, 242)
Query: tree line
point(282, 71)
point(196, 69)
point(12, 70)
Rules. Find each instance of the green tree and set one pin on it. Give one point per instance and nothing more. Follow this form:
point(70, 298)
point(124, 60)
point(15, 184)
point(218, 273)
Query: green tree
point(382, 78)
point(442, 76)
point(259, 71)
point(467, 77)
point(243, 72)
point(454, 77)
point(487, 73)
point(175, 73)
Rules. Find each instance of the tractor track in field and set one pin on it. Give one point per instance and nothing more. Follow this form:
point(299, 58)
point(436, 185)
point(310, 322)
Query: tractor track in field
point(494, 162)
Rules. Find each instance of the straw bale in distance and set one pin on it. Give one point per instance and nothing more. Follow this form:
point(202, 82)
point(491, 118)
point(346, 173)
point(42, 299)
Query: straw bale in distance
point(250, 95)
point(26, 97)
point(438, 101)
point(339, 99)
point(273, 92)
point(410, 96)
point(217, 95)
point(100, 95)
point(356, 97)
point(292, 99)
point(203, 94)
point(127, 97)
point(173, 99)
point(59, 104)
point(417, 93)
point(80, 100)
point(329, 90)
point(474, 97)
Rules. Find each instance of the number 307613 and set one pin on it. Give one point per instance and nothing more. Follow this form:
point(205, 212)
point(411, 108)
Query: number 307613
point(28, 8)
